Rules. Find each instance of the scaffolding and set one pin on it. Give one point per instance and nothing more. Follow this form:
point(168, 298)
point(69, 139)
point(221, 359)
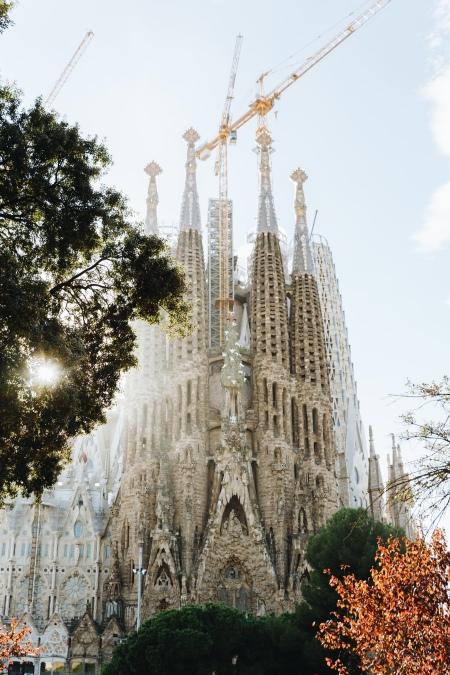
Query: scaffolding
point(214, 266)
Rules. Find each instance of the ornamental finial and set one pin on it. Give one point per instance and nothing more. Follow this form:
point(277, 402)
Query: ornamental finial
point(151, 219)
point(191, 136)
point(267, 220)
point(153, 169)
point(302, 262)
point(190, 209)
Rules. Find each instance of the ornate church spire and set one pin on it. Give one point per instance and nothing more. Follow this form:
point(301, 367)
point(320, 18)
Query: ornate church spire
point(375, 485)
point(303, 261)
point(190, 209)
point(267, 219)
point(151, 219)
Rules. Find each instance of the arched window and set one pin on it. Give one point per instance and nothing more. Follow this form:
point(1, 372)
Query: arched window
point(315, 417)
point(78, 529)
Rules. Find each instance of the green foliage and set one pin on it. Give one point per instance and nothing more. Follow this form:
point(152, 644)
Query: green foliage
point(5, 8)
point(75, 274)
point(349, 538)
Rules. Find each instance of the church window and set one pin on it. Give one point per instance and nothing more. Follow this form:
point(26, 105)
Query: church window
point(78, 529)
point(266, 393)
point(307, 451)
point(65, 550)
point(274, 394)
point(276, 428)
point(81, 549)
point(88, 550)
point(315, 421)
point(188, 423)
point(305, 419)
point(22, 549)
point(3, 549)
point(317, 453)
point(189, 392)
point(71, 550)
point(232, 572)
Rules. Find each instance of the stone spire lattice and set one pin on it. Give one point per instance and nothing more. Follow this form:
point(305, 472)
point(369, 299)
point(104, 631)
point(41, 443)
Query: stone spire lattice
point(267, 219)
point(190, 209)
point(303, 262)
point(151, 219)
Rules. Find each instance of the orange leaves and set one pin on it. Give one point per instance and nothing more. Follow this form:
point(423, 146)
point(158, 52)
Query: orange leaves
point(398, 621)
point(12, 643)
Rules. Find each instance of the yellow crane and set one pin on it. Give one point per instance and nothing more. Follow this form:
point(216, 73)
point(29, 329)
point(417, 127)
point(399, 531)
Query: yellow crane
point(261, 105)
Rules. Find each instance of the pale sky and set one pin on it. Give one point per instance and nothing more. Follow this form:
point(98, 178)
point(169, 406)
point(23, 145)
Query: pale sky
point(370, 125)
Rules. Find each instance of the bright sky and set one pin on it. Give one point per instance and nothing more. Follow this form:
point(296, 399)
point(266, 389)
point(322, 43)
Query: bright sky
point(370, 125)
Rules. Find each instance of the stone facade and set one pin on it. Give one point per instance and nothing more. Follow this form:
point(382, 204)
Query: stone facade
point(351, 449)
point(215, 469)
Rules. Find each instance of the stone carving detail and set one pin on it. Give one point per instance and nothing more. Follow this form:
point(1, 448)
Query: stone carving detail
point(74, 595)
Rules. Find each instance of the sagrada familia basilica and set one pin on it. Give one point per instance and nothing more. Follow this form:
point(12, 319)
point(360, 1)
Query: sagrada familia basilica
point(218, 462)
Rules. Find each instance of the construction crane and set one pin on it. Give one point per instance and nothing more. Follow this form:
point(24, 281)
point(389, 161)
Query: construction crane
point(263, 103)
point(69, 68)
point(224, 243)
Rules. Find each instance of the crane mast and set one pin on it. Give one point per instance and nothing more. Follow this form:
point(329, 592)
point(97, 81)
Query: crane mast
point(222, 266)
point(264, 103)
point(69, 68)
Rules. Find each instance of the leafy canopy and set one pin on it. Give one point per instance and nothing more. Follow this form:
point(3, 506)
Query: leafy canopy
point(349, 538)
point(14, 644)
point(74, 274)
point(399, 620)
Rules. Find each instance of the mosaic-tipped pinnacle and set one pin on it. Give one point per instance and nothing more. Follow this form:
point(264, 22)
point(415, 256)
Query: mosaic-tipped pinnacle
point(191, 136)
point(153, 169)
point(299, 176)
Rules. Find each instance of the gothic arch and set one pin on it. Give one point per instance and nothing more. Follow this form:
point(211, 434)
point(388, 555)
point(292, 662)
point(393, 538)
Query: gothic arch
point(233, 512)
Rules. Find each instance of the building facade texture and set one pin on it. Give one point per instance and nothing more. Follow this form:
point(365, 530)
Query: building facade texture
point(218, 464)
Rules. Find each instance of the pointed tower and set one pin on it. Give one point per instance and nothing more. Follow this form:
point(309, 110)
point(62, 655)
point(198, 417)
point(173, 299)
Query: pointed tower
point(375, 487)
point(151, 219)
point(144, 436)
point(271, 377)
point(188, 383)
point(316, 494)
point(399, 496)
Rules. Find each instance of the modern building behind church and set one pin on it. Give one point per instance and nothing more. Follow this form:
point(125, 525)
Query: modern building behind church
point(218, 463)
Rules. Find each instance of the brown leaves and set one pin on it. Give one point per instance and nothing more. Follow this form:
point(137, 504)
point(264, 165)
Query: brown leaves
point(12, 643)
point(399, 620)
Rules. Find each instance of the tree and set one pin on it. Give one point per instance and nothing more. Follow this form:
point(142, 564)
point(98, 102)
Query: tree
point(12, 643)
point(349, 538)
point(399, 620)
point(194, 639)
point(4, 14)
point(430, 478)
point(75, 274)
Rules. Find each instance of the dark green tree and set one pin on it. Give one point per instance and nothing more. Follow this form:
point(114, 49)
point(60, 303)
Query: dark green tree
point(349, 538)
point(75, 273)
point(195, 639)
